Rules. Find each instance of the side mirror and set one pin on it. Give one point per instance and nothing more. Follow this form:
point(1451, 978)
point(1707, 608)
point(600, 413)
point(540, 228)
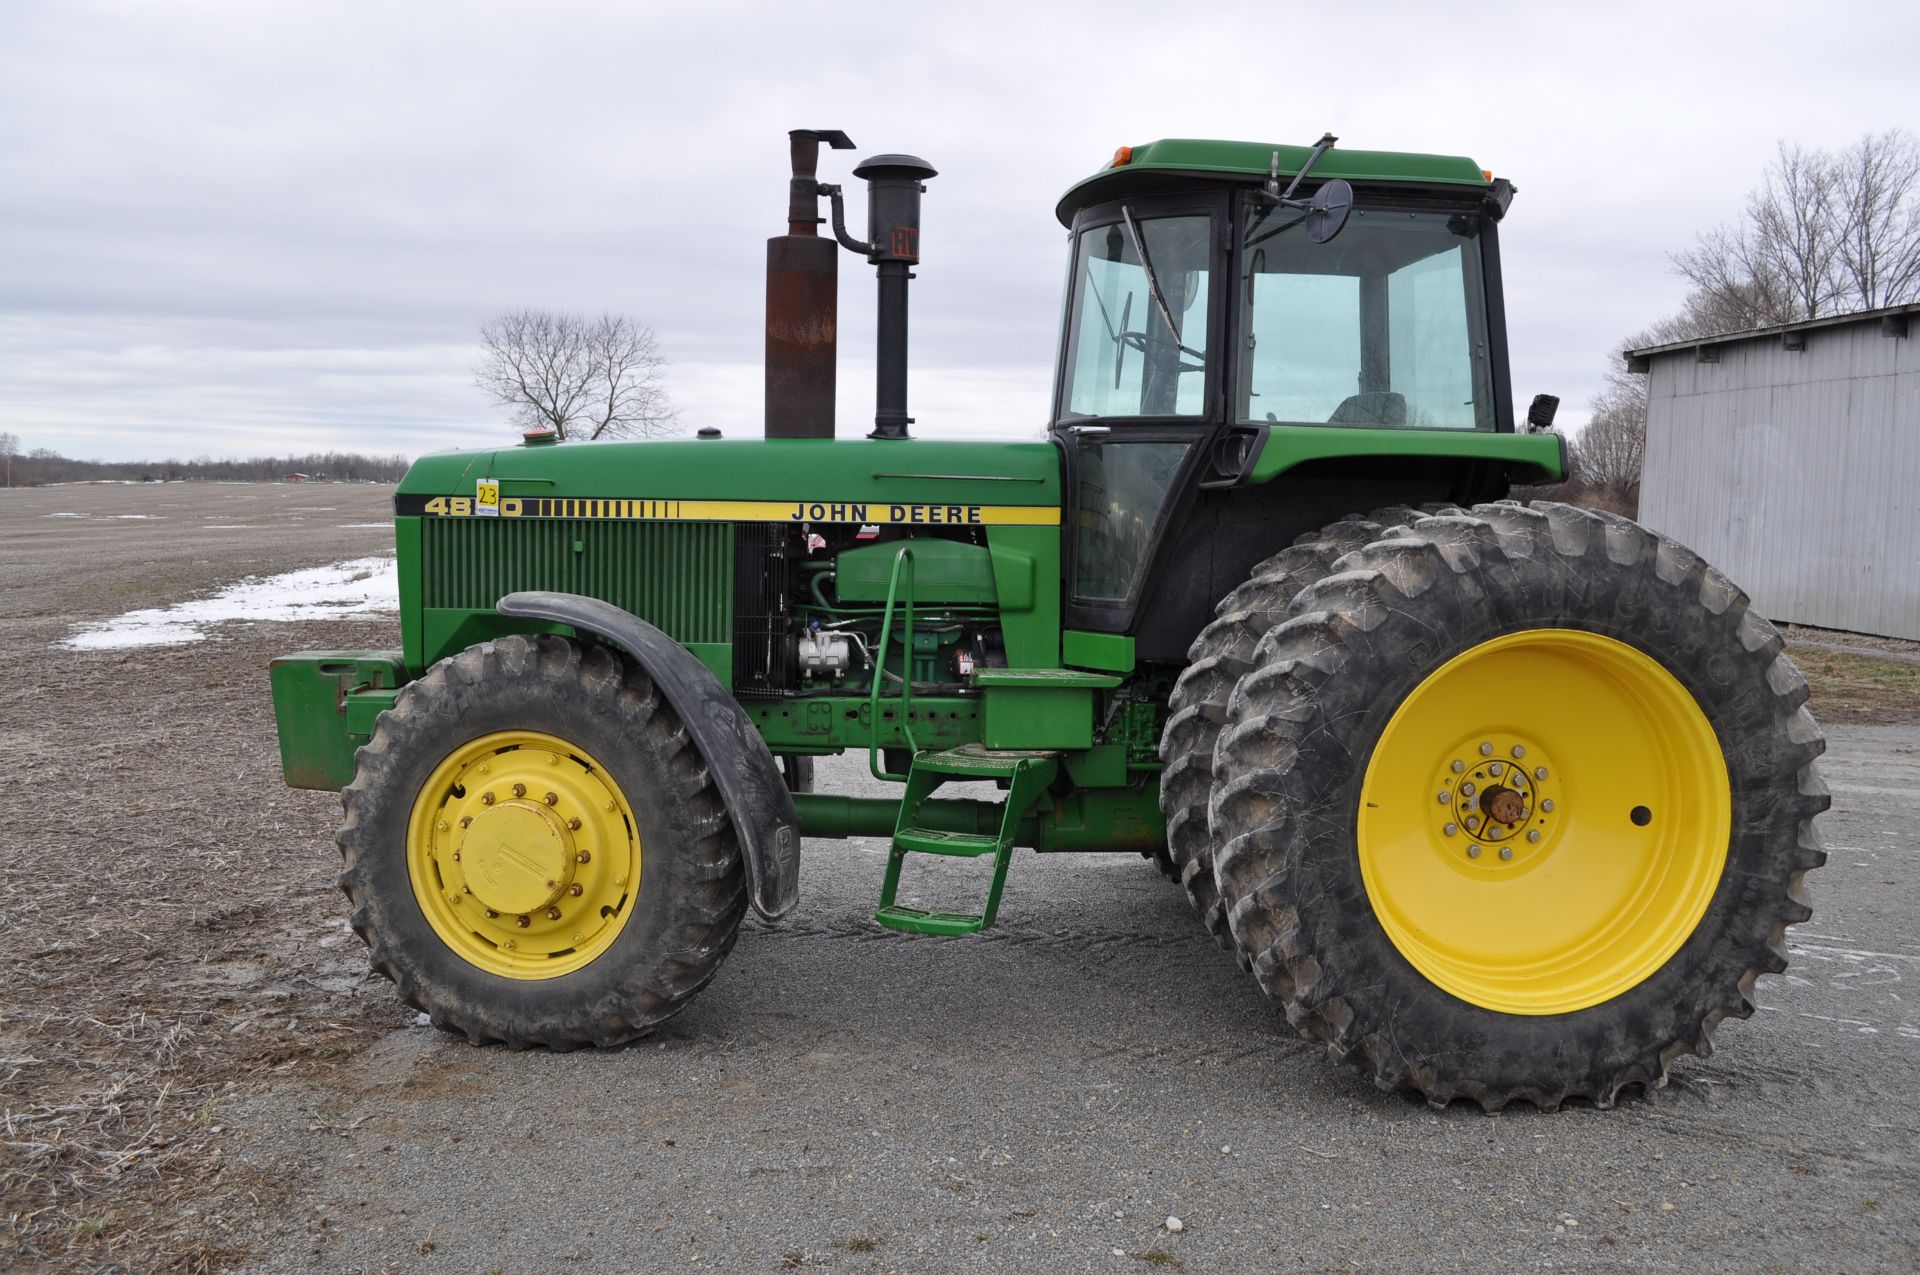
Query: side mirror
point(1540, 414)
point(1328, 210)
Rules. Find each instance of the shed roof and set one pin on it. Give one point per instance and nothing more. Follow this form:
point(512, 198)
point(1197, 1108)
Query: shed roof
point(1893, 319)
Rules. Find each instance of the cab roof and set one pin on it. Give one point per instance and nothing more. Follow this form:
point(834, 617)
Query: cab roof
point(1147, 166)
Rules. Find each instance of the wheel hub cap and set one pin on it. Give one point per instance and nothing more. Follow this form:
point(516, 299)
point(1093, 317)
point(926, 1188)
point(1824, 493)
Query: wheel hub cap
point(518, 857)
point(1498, 791)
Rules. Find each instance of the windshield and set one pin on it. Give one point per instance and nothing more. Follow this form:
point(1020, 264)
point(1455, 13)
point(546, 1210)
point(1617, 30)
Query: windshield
point(1385, 326)
point(1126, 356)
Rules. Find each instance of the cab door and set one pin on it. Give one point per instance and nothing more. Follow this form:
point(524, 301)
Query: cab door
point(1138, 395)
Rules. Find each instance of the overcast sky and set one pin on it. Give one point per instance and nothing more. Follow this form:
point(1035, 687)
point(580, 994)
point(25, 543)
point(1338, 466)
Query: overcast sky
point(273, 227)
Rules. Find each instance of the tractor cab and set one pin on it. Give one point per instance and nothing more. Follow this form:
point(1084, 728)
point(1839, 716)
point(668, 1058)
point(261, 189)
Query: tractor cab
point(1209, 310)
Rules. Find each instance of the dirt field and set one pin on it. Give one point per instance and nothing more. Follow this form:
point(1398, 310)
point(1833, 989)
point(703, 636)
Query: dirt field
point(197, 1076)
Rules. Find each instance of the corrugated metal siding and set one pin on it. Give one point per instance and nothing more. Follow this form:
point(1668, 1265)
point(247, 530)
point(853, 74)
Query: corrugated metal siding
point(1796, 472)
point(676, 575)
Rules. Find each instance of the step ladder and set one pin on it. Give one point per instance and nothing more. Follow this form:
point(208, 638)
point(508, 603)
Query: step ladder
point(1027, 774)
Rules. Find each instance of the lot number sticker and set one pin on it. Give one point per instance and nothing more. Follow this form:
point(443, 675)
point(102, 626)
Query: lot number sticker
point(486, 498)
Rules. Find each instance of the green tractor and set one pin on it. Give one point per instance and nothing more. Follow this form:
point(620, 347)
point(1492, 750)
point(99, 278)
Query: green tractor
point(1497, 801)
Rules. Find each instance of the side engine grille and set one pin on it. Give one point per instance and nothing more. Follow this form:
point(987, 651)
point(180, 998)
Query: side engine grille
point(675, 575)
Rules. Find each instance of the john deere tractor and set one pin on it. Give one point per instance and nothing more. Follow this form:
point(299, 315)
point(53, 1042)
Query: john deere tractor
point(1498, 801)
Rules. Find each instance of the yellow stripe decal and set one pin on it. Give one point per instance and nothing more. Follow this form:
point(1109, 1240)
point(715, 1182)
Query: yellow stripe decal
point(800, 511)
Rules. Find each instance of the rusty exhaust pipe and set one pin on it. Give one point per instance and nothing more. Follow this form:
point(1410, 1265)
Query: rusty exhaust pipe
point(803, 298)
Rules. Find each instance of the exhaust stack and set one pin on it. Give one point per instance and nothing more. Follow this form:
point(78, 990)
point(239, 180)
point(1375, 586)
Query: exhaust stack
point(893, 231)
point(803, 297)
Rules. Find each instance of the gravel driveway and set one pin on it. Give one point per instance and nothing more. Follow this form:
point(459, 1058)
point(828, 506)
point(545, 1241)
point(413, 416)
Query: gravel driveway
point(1043, 1097)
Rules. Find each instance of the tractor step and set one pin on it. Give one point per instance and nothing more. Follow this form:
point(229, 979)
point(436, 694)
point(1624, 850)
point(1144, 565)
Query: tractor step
point(1025, 774)
point(971, 761)
point(960, 845)
point(915, 921)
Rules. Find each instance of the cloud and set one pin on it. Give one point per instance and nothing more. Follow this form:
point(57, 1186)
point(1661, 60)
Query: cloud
point(235, 228)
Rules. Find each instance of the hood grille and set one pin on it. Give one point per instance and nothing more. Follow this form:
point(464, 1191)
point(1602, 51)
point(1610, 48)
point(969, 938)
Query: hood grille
point(677, 576)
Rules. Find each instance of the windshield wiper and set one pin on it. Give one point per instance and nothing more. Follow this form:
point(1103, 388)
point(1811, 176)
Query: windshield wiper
point(1153, 282)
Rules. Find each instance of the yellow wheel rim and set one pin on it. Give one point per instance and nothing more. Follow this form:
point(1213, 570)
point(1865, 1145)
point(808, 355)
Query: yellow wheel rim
point(1544, 821)
point(524, 855)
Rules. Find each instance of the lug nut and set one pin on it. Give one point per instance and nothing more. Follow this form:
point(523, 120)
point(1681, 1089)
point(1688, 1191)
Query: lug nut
point(1506, 852)
point(1466, 789)
point(1473, 852)
point(552, 799)
point(583, 857)
point(1519, 750)
point(524, 922)
point(609, 806)
point(491, 913)
point(507, 943)
point(466, 889)
point(1546, 807)
point(573, 824)
point(486, 799)
point(553, 914)
point(519, 790)
point(553, 885)
point(1533, 835)
point(576, 939)
point(442, 825)
point(1539, 772)
point(553, 759)
point(1458, 766)
point(1486, 750)
point(456, 856)
point(484, 767)
point(466, 821)
point(1495, 769)
point(1473, 821)
point(1445, 797)
point(576, 889)
point(619, 880)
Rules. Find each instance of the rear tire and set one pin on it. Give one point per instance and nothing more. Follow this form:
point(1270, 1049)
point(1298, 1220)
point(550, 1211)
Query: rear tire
point(609, 881)
point(1218, 659)
point(1569, 627)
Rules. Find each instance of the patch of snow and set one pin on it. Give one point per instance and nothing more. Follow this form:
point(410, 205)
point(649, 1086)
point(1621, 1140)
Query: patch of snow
point(352, 526)
point(66, 515)
point(361, 586)
point(137, 517)
point(231, 526)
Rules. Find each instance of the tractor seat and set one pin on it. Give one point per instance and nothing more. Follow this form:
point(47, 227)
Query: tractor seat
point(1377, 407)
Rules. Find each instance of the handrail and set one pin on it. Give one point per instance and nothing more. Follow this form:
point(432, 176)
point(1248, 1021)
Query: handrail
point(903, 558)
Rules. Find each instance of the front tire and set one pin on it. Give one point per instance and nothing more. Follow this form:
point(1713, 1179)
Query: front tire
point(1393, 859)
point(535, 851)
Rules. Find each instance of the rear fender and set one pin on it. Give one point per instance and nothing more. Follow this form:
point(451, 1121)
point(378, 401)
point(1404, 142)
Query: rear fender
point(743, 767)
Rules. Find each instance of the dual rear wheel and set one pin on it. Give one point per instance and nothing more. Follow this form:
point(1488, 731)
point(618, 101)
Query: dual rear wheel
point(1513, 804)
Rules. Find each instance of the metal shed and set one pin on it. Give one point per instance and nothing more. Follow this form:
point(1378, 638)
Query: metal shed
point(1790, 458)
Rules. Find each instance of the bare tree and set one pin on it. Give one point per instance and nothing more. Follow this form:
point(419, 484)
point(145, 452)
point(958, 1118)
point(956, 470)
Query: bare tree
point(586, 378)
point(1877, 183)
point(9, 448)
point(1825, 233)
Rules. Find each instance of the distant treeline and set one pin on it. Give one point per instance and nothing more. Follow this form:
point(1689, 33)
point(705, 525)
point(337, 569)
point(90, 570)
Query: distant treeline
point(40, 466)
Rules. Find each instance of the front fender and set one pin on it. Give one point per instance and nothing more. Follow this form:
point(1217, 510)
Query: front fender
point(743, 767)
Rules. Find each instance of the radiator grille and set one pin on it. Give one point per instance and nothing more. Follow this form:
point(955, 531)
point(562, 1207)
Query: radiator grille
point(675, 575)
